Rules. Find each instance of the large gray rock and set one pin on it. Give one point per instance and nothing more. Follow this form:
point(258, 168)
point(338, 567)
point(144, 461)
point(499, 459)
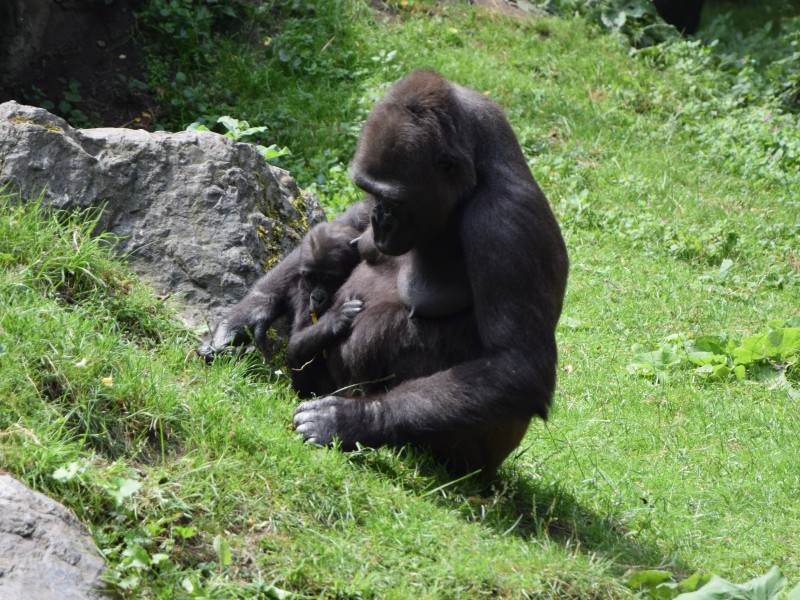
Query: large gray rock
point(200, 216)
point(45, 552)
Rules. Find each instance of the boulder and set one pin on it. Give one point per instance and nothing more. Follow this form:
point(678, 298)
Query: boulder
point(45, 552)
point(199, 216)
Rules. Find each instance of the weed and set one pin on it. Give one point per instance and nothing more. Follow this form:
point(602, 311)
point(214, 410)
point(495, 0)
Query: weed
point(767, 357)
point(241, 131)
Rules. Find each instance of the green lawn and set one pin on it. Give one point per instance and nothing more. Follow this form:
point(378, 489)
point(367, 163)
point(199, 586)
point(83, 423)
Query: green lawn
point(675, 174)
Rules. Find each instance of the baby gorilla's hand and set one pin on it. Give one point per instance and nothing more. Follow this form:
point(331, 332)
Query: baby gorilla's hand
point(243, 324)
point(346, 315)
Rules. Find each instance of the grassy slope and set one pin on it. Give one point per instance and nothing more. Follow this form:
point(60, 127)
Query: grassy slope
point(687, 475)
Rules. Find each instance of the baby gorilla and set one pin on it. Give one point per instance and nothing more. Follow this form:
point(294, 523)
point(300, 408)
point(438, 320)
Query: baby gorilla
point(305, 294)
point(327, 257)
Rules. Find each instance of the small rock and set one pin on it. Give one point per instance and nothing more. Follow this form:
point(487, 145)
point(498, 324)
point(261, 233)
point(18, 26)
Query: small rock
point(45, 551)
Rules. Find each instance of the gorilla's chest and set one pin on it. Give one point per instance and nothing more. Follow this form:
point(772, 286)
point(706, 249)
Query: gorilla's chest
point(434, 289)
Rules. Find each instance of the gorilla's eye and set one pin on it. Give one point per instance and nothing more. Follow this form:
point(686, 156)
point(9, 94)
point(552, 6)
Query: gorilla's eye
point(446, 164)
point(383, 205)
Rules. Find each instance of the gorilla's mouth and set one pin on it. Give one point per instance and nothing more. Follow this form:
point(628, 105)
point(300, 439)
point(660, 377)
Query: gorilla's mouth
point(394, 246)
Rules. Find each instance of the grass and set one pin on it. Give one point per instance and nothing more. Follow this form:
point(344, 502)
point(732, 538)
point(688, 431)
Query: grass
point(659, 170)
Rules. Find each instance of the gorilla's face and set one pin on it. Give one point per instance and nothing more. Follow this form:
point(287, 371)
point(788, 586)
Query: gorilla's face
point(326, 260)
point(411, 179)
point(392, 227)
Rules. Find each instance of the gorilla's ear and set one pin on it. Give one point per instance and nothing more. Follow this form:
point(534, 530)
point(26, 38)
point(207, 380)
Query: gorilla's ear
point(457, 169)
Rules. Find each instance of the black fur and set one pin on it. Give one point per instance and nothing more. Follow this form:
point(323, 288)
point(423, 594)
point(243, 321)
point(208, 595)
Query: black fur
point(456, 228)
point(327, 258)
point(449, 189)
point(683, 14)
point(305, 291)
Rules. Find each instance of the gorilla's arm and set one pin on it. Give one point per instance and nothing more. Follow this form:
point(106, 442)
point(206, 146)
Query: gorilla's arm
point(250, 318)
point(418, 410)
point(269, 298)
point(311, 341)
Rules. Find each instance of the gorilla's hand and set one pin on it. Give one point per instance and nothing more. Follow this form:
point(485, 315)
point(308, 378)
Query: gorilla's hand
point(316, 420)
point(319, 421)
point(347, 313)
point(239, 327)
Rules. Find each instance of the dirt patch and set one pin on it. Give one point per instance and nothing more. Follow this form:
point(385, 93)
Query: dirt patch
point(87, 68)
point(520, 9)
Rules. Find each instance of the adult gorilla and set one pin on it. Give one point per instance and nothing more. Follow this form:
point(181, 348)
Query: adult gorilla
point(448, 188)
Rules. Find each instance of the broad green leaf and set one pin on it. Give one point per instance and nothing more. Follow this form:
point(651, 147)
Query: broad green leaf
point(131, 582)
point(714, 372)
point(121, 489)
point(719, 373)
point(270, 152)
point(138, 558)
point(277, 593)
point(766, 587)
point(706, 358)
point(765, 372)
point(253, 131)
point(223, 550)
point(65, 474)
point(197, 127)
point(752, 349)
point(233, 126)
point(614, 21)
point(795, 593)
point(777, 345)
point(693, 583)
point(660, 360)
point(185, 532)
point(643, 369)
point(707, 343)
point(648, 578)
point(791, 341)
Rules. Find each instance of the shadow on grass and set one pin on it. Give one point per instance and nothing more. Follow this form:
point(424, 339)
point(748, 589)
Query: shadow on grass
point(515, 504)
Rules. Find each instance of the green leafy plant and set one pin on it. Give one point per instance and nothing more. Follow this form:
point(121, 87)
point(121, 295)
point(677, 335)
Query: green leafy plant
point(770, 357)
point(661, 585)
point(186, 24)
point(748, 81)
point(68, 106)
point(712, 244)
point(637, 20)
point(327, 178)
point(241, 131)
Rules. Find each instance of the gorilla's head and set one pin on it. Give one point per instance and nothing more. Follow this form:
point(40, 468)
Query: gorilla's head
point(413, 163)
